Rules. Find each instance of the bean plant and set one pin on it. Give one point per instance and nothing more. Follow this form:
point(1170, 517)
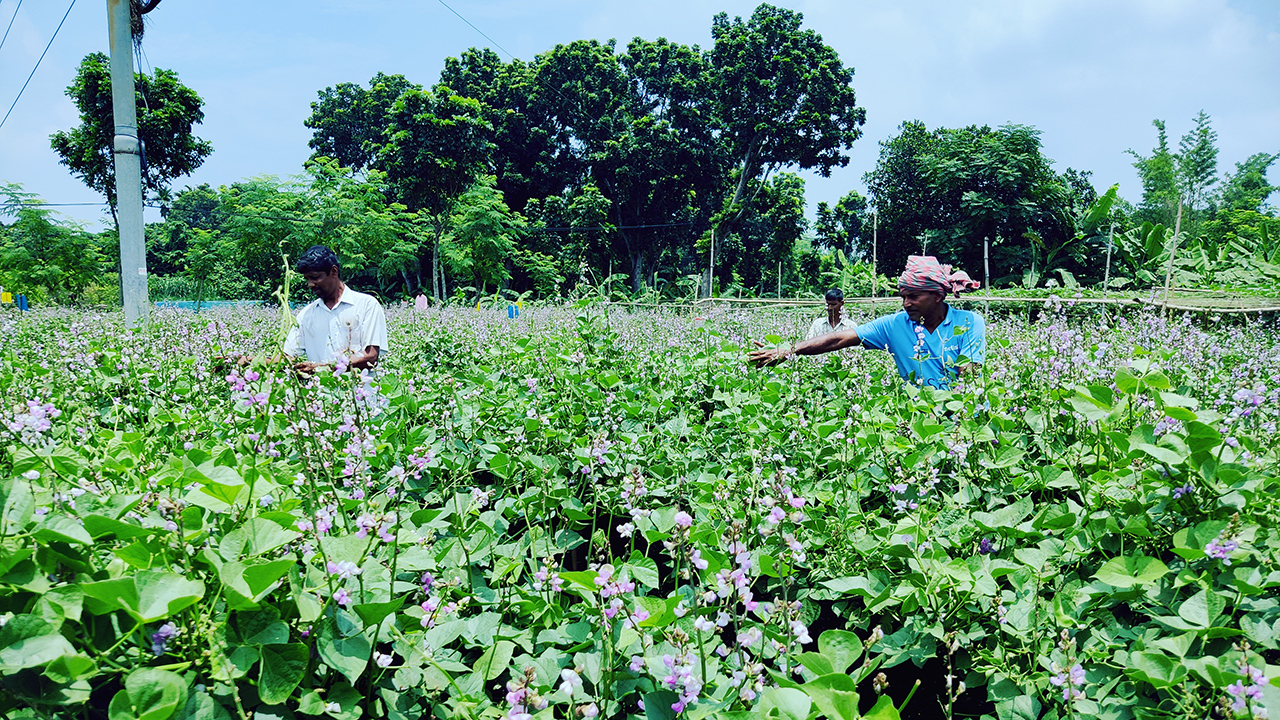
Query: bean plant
point(591, 512)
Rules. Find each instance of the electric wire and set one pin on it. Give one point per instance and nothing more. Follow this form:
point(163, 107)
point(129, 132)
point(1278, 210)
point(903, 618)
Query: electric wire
point(37, 67)
point(6, 30)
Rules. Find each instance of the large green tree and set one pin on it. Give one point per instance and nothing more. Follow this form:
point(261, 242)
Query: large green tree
point(349, 122)
point(167, 113)
point(945, 191)
point(438, 143)
point(783, 100)
point(532, 157)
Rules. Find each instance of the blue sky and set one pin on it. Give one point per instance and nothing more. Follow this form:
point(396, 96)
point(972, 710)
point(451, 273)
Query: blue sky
point(1090, 74)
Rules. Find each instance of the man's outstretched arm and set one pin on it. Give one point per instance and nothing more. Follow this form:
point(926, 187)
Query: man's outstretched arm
point(813, 346)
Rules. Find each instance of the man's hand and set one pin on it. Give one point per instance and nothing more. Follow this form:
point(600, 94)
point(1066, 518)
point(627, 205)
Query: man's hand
point(766, 357)
point(306, 368)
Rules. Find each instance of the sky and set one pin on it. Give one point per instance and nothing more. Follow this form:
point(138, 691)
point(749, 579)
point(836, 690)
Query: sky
point(1091, 75)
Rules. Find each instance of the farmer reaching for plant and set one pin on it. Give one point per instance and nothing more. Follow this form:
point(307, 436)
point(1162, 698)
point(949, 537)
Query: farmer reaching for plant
point(930, 341)
point(341, 327)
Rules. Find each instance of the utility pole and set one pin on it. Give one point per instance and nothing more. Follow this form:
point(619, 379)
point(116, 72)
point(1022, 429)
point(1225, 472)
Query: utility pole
point(133, 249)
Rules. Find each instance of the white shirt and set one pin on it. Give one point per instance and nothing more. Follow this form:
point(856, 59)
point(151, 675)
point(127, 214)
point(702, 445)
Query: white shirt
point(822, 326)
point(324, 335)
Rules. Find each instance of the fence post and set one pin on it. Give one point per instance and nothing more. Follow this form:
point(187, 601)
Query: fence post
point(1168, 273)
point(986, 273)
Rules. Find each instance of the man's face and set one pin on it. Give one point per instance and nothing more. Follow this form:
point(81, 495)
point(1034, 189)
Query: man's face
point(918, 303)
point(834, 307)
point(323, 284)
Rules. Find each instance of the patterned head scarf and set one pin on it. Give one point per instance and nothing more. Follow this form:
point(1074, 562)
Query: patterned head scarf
point(926, 274)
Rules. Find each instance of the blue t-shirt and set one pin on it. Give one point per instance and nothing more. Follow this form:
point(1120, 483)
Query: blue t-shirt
point(930, 358)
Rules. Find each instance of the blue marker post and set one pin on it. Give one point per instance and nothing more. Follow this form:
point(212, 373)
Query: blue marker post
point(513, 312)
point(22, 303)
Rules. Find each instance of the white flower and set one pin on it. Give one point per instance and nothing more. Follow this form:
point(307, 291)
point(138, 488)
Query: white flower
point(572, 683)
point(333, 707)
point(31, 475)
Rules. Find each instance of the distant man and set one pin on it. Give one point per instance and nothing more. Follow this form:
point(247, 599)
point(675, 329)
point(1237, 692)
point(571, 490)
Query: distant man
point(835, 318)
point(340, 325)
point(931, 342)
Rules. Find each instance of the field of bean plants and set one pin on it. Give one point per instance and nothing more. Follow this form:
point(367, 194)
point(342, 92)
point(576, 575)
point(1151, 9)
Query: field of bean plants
point(593, 512)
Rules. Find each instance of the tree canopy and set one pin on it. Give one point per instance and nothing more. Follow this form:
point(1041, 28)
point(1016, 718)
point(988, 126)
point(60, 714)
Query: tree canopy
point(167, 114)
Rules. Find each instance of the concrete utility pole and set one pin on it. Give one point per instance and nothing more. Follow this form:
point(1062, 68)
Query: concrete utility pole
point(133, 249)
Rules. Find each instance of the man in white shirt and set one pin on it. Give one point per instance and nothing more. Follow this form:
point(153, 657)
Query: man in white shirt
point(835, 318)
point(341, 327)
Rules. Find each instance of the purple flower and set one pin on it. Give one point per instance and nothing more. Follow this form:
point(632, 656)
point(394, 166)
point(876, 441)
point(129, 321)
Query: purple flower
point(161, 637)
point(1184, 490)
point(683, 519)
point(1221, 549)
point(985, 546)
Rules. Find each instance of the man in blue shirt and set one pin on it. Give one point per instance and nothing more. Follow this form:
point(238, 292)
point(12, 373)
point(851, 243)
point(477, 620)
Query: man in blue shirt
point(931, 342)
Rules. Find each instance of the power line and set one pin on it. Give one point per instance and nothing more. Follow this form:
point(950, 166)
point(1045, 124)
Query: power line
point(6, 30)
point(473, 27)
point(37, 67)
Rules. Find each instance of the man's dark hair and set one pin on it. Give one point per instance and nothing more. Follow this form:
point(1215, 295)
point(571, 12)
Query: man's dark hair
point(835, 294)
point(317, 258)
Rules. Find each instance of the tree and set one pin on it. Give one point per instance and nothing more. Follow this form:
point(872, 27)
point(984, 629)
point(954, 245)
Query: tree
point(782, 99)
point(901, 194)
point(36, 252)
point(1248, 188)
point(664, 171)
point(766, 236)
point(167, 112)
point(1197, 161)
point(842, 226)
point(350, 122)
point(531, 159)
point(484, 234)
point(953, 188)
point(437, 145)
point(1158, 174)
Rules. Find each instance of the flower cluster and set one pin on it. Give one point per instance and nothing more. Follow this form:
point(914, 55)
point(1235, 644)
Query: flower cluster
point(30, 426)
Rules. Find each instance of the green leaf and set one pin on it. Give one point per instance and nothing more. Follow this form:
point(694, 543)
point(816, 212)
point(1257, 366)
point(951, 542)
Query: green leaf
point(644, 570)
point(841, 647)
point(884, 710)
point(261, 627)
point(1126, 571)
point(1164, 455)
point(347, 655)
point(1022, 707)
point(374, 613)
point(494, 661)
point(657, 705)
point(28, 641)
point(835, 695)
point(1158, 669)
point(1202, 608)
point(60, 528)
point(816, 663)
point(149, 694)
point(1006, 517)
point(147, 596)
point(255, 537)
point(282, 668)
point(70, 668)
point(785, 703)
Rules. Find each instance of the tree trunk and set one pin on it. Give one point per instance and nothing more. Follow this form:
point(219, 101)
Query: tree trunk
point(637, 272)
